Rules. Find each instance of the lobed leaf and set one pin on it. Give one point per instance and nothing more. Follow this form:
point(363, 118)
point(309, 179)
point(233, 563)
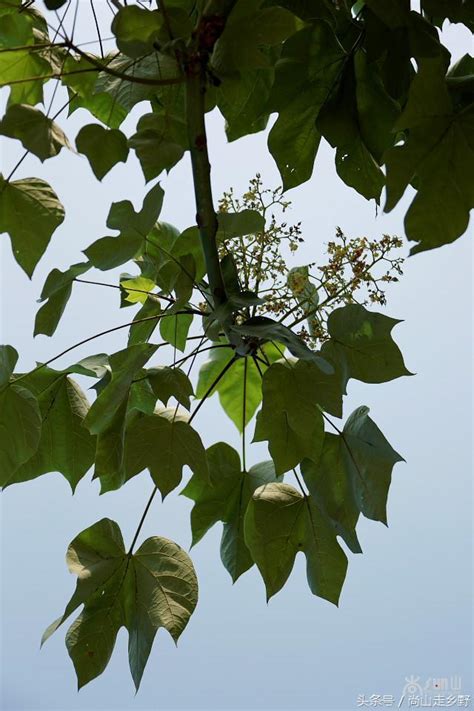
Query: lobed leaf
point(290, 419)
point(225, 498)
point(155, 587)
point(164, 443)
point(362, 346)
point(279, 523)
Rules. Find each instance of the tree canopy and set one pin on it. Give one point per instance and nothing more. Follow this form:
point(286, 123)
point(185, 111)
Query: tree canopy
point(282, 341)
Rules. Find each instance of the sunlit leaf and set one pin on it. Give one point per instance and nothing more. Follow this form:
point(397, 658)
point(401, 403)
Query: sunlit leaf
point(243, 376)
point(26, 70)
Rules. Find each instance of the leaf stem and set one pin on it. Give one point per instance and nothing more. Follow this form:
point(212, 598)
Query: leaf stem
point(244, 415)
point(302, 489)
point(142, 520)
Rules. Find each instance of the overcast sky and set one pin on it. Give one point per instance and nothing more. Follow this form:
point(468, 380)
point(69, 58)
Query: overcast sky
point(406, 604)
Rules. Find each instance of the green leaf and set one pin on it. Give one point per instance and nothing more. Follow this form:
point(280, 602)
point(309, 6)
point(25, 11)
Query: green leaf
point(370, 459)
point(353, 475)
point(136, 30)
point(94, 366)
point(294, 142)
point(280, 522)
point(231, 386)
point(242, 101)
point(454, 10)
point(160, 142)
point(235, 554)
point(110, 452)
point(8, 360)
point(41, 213)
point(214, 499)
point(362, 344)
point(16, 29)
point(329, 482)
point(124, 365)
point(340, 124)
point(81, 83)
point(239, 224)
point(309, 66)
point(65, 445)
point(56, 291)
point(109, 252)
point(26, 71)
point(37, 132)
point(155, 587)
point(154, 65)
point(393, 13)
point(225, 499)
point(247, 32)
point(358, 169)
point(164, 443)
point(437, 156)
point(377, 111)
point(142, 332)
point(159, 258)
point(103, 147)
point(137, 289)
point(309, 9)
point(290, 418)
point(174, 329)
point(170, 382)
point(20, 425)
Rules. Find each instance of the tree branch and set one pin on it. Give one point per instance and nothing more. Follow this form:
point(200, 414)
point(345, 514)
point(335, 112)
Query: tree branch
point(209, 28)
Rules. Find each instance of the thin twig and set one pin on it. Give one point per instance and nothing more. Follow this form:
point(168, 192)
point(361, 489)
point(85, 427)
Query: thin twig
point(99, 335)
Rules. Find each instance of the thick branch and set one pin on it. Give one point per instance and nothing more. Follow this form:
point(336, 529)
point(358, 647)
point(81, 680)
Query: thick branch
point(208, 31)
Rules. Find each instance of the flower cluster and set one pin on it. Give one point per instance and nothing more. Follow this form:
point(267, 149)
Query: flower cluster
point(357, 269)
point(259, 257)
